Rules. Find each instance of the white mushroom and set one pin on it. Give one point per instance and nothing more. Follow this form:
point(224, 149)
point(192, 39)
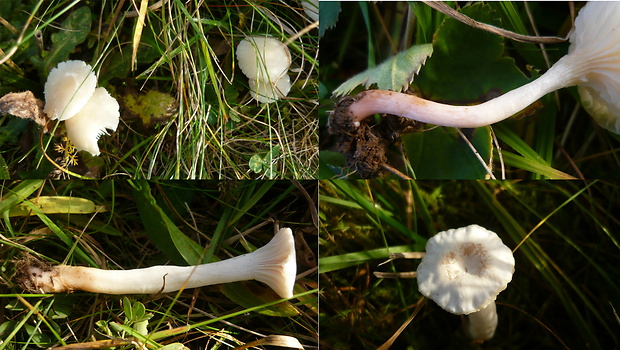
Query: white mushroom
point(71, 95)
point(68, 88)
point(593, 63)
point(273, 264)
point(463, 271)
point(265, 61)
point(267, 92)
point(100, 113)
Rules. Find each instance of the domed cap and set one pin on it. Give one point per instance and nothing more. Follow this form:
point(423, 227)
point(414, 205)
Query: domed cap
point(595, 43)
point(465, 269)
point(263, 58)
point(68, 88)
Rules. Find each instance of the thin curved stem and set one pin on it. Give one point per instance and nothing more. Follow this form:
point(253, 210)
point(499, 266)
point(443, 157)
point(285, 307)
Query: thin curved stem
point(562, 74)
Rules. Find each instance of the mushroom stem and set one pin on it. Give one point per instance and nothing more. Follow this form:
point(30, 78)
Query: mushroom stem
point(273, 264)
point(566, 72)
point(481, 324)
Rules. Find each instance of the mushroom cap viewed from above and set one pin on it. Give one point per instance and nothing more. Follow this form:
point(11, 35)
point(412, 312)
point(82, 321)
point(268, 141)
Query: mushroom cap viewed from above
point(263, 58)
point(68, 88)
point(596, 41)
point(465, 269)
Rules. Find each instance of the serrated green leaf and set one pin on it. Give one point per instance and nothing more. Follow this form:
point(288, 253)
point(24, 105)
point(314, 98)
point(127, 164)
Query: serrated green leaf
point(396, 73)
point(74, 30)
point(328, 15)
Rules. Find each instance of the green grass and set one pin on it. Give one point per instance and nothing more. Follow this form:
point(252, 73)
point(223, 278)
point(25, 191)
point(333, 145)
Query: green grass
point(139, 224)
point(554, 139)
point(564, 291)
point(186, 50)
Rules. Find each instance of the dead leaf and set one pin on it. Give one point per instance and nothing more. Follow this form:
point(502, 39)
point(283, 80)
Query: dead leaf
point(24, 105)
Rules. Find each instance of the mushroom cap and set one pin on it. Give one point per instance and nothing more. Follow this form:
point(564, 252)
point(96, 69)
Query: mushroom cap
point(595, 41)
point(277, 263)
point(100, 113)
point(68, 88)
point(268, 92)
point(263, 58)
point(465, 269)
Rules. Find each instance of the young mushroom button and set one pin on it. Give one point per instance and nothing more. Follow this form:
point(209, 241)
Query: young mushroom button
point(265, 61)
point(463, 271)
point(592, 63)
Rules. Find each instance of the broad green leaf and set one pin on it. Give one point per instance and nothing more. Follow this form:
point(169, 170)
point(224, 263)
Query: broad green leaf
point(58, 205)
point(10, 132)
point(396, 73)
point(441, 153)
point(73, 31)
point(164, 233)
point(468, 65)
point(328, 15)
